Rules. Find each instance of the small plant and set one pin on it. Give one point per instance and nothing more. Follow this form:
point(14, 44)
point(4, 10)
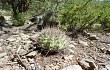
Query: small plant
point(53, 39)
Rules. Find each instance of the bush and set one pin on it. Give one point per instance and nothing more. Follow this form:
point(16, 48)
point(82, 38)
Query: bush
point(53, 39)
point(20, 19)
point(83, 15)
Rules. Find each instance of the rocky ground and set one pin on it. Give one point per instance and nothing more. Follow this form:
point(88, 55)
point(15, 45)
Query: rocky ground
point(88, 52)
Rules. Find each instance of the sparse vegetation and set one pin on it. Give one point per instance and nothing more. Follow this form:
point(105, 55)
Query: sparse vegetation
point(71, 14)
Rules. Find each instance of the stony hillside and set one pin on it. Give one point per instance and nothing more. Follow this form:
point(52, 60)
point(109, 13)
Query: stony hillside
point(90, 51)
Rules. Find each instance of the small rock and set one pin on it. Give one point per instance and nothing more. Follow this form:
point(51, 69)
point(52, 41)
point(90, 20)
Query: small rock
point(83, 43)
point(33, 66)
point(93, 37)
point(28, 46)
point(71, 50)
point(22, 52)
point(73, 67)
point(73, 42)
point(9, 22)
point(33, 53)
point(71, 46)
point(87, 64)
point(2, 54)
point(24, 36)
point(47, 68)
point(107, 66)
point(68, 57)
point(7, 17)
point(11, 39)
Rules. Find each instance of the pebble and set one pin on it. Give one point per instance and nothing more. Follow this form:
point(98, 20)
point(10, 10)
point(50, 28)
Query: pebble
point(11, 39)
point(68, 57)
point(47, 68)
point(93, 37)
point(33, 66)
point(73, 42)
point(83, 43)
point(71, 46)
point(73, 67)
point(71, 51)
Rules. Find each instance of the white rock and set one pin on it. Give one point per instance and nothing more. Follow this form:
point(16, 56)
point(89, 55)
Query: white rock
point(71, 50)
point(73, 67)
point(71, 46)
point(66, 57)
point(107, 66)
point(73, 42)
point(24, 36)
point(11, 39)
point(83, 43)
point(33, 66)
point(3, 54)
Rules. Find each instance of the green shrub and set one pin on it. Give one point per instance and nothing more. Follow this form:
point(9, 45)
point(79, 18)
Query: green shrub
point(53, 39)
point(83, 15)
point(20, 19)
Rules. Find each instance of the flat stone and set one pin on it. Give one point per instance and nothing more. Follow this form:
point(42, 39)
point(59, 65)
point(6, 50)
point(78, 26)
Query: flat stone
point(33, 53)
point(22, 52)
point(27, 46)
point(93, 37)
point(71, 51)
point(83, 43)
point(107, 66)
point(11, 39)
point(2, 54)
point(71, 46)
point(73, 67)
point(66, 57)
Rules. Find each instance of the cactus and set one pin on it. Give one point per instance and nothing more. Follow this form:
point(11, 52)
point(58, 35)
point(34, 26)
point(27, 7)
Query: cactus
point(53, 39)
